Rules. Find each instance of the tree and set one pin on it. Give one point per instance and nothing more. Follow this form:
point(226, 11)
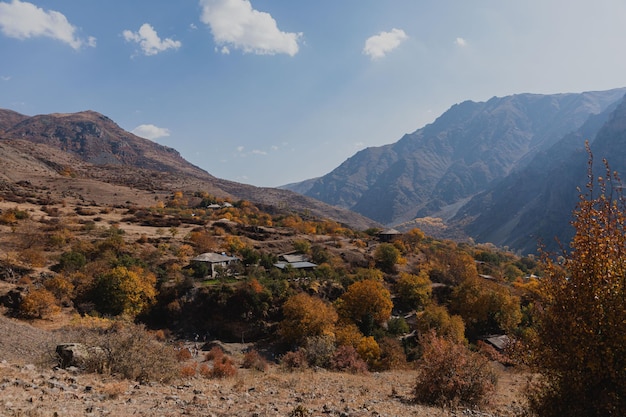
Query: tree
point(124, 291)
point(436, 319)
point(306, 316)
point(413, 290)
point(386, 256)
point(366, 303)
point(580, 347)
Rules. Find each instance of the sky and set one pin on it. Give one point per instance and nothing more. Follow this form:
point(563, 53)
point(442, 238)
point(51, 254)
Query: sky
point(271, 92)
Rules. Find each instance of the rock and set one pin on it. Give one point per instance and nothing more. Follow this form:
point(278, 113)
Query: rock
point(72, 354)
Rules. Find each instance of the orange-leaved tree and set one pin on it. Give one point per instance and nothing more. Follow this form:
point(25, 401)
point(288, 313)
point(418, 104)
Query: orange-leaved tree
point(580, 347)
point(366, 303)
point(306, 316)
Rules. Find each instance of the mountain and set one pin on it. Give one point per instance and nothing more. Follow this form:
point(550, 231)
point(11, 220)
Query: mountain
point(433, 171)
point(534, 204)
point(86, 155)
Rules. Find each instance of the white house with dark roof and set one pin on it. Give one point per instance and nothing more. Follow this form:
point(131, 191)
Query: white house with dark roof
point(215, 260)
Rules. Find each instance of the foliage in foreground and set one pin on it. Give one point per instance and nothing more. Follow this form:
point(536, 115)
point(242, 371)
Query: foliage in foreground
point(580, 348)
point(452, 375)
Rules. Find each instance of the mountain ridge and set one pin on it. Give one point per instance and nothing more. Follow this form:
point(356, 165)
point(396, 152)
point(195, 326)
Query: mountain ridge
point(54, 150)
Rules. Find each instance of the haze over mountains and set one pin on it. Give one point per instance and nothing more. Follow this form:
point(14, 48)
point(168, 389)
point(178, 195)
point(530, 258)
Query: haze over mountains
point(503, 171)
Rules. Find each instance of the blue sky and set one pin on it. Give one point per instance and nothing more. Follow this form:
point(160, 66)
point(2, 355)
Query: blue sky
point(269, 92)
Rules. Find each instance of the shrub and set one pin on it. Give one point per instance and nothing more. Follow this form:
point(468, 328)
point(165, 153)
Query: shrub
point(319, 350)
point(452, 375)
point(369, 351)
point(294, 360)
point(183, 355)
point(346, 358)
point(189, 370)
point(223, 367)
point(253, 360)
point(38, 304)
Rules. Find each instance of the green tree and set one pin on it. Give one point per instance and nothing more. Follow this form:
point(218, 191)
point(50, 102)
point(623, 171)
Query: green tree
point(386, 256)
point(581, 339)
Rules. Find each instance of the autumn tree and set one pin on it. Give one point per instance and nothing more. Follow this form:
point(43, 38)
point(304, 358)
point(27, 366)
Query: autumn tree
point(486, 307)
point(124, 291)
point(413, 291)
point(436, 319)
point(581, 345)
point(306, 316)
point(366, 303)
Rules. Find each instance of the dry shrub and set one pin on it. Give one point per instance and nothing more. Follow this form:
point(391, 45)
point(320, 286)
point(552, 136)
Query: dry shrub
point(319, 350)
point(223, 367)
point(347, 359)
point(392, 355)
point(114, 389)
point(452, 375)
point(292, 361)
point(38, 304)
point(183, 355)
point(253, 360)
point(189, 370)
point(129, 351)
point(33, 257)
point(215, 352)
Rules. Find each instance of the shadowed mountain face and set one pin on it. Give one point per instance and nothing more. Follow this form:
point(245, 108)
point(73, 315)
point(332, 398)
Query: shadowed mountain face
point(470, 148)
point(533, 205)
point(99, 154)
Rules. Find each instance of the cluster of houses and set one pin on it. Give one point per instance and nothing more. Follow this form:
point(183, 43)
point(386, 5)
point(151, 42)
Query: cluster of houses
point(222, 262)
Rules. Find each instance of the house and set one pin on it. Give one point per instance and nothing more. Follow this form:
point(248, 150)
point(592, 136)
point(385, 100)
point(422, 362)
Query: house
point(389, 235)
point(499, 342)
point(294, 260)
point(216, 261)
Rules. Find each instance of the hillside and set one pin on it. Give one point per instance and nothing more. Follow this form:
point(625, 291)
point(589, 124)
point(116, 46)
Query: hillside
point(85, 153)
point(468, 149)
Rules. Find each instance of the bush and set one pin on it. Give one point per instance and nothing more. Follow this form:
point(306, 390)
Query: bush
point(452, 375)
point(346, 358)
point(130, 351)
point(294, 360)
point(38, 304)
point(223, 365)
point(253, 360)
point(319, 350)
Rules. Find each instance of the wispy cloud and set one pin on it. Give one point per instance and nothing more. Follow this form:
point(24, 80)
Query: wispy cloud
point(149, 40)
point(378, 46)
point(151, 132)
point(23, 20)
point(235, 24)
point(259, 152)
point(461, 42)
point(5, 77)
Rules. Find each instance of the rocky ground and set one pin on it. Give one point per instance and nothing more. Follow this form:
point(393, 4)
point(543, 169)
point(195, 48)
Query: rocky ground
point(26, 390)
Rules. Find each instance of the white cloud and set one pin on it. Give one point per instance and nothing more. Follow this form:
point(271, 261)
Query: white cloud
point(23, 20)
point(258, 152)
point(151, 132)
point(236, 24)
point(149, 40)
point(240, 148)
point(460, 42)
point(5, 77)
point(378, 46)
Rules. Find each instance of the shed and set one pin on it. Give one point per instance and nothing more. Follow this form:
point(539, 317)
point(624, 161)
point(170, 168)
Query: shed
point(389, 235)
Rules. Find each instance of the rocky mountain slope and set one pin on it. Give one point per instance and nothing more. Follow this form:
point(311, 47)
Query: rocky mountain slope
point(470, 148)
point(534, 204)
point(88, 156)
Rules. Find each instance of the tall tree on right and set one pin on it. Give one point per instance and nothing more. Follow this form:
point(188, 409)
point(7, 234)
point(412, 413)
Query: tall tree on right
point(580, 349)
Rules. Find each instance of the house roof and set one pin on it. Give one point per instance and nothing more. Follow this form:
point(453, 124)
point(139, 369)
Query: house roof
point(498, 341)
point(295, 265)
point(296, 257)
point(390, 232)
point(214, 258)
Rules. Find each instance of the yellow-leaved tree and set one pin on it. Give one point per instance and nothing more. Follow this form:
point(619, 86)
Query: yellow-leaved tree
point(580, 348)
point(124, 290)
point(306, 316)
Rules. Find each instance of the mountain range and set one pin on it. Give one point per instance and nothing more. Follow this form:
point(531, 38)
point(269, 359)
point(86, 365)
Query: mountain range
point(87, 156)
point(504, 171)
